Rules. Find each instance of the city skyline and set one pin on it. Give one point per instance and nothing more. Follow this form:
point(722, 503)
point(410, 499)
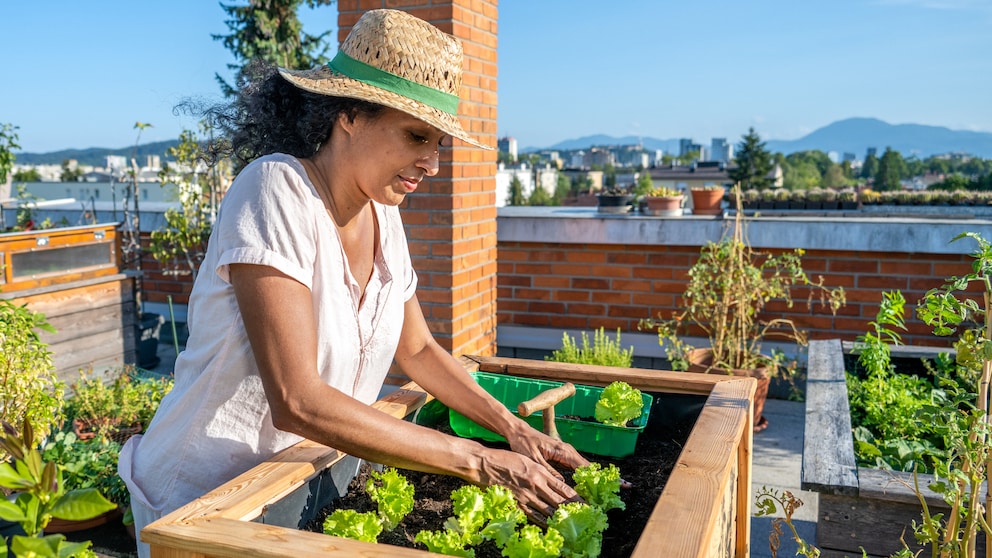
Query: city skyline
point(566, 70)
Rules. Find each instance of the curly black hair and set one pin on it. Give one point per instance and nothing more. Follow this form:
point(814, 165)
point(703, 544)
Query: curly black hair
point(270, 115)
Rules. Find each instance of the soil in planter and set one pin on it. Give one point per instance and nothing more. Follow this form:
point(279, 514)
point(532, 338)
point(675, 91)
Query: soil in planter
point(647, 470)
point(110, 539)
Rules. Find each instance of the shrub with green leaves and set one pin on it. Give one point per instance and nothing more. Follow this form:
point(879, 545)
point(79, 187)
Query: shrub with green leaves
point(604, 351)
point(29, 386)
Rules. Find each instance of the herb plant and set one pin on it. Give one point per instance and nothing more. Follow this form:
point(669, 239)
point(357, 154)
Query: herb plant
point(604, 351)
point(619, 404)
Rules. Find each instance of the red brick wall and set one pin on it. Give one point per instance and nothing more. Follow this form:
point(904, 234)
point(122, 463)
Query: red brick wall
point(572, 286)
point(451, 220)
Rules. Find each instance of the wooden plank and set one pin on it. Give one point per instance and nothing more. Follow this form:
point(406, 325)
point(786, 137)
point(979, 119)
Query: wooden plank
point(828, 465)
point(647, 380)
point(81, 353)
point(703, 474)
point(86, 322)
point(228, 537)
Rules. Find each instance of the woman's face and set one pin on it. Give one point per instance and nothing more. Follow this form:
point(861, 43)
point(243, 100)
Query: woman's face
point(389, 154)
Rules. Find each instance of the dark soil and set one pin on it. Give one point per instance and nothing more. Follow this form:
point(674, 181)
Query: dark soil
point(647, 470)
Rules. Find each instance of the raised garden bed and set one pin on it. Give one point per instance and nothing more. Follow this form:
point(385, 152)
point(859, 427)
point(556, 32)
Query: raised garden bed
point(858, 506)
point(703, 511)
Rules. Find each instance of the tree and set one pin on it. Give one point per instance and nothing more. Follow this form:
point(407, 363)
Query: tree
point(27, 175)
point(8, 143)
point(516, 196)
point(870, 167)
point(754, 162)
point(269, 30)
point(890, 170)
point(562, 189)
point(70, 172)
point(644, 184)
point(835, 177)
point(539, 197)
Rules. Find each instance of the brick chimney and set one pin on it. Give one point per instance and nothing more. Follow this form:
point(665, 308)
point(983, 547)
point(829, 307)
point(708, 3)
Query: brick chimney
point(451, 219)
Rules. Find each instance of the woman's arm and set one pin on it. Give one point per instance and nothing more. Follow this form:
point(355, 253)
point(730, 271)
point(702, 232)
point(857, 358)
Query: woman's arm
point(282, 330)
point(434, 369)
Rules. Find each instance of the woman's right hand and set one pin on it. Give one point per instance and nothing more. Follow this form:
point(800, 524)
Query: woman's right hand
point(538, 491)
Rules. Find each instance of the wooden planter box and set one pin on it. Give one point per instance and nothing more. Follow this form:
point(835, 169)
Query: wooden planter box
point(704, 510)
point(72, 276)
point(858, 506)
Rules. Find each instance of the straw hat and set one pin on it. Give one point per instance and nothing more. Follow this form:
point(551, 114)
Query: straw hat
point(395, 59)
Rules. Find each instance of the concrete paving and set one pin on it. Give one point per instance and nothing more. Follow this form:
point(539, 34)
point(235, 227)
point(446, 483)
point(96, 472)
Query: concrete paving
point(776, 463)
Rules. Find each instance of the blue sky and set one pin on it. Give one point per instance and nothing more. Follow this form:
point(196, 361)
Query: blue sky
point(80, 74)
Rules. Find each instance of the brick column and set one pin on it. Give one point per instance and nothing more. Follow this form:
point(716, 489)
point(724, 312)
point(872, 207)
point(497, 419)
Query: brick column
point(451, 219)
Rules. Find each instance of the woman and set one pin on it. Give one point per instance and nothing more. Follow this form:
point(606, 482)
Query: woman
point(308, 295)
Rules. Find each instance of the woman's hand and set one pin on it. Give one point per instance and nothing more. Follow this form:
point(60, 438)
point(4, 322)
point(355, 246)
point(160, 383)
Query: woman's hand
point(539, 491)
point(544, 449)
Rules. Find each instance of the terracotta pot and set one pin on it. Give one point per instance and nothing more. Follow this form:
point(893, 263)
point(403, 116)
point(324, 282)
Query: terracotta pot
point(87, 431)
point(663, 205)
point(57, 525)
point(701, 360)
point(707, 202)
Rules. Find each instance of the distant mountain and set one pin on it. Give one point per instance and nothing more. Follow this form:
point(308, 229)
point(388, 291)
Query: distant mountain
point(96, 156)
point(852, 135)
point(856, 135)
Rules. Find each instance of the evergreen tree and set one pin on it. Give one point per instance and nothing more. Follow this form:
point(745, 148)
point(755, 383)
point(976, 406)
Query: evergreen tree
point(644, 184)
point(516, 196)
point(870, 167)
point(269, 30)
point(890, 170)
point(562, 190)
point(539, 196)
point(754, 162)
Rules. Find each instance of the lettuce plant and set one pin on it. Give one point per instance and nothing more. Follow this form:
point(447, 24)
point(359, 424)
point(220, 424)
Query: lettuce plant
point(598, 486)
point(619, 404)
point(393, 495)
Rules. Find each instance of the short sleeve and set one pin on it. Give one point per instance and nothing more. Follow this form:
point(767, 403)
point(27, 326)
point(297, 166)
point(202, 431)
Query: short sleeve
point(268, 218)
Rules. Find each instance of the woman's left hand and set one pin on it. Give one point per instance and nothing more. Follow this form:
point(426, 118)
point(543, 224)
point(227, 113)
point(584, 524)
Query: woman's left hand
point(544, 449)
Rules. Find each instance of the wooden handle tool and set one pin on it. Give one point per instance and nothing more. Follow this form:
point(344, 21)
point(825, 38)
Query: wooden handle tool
point(546, 401)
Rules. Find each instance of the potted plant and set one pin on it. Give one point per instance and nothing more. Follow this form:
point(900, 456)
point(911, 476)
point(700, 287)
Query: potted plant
point(615, 199)
point(729, 286)
point(814, 198)
point(707, 200)
point(752, 196)
point(870, 197)
point(829, 200)
point(114, 409)
point(664, 201)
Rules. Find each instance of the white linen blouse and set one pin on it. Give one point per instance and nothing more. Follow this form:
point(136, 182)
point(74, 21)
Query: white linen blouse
point(216, 422)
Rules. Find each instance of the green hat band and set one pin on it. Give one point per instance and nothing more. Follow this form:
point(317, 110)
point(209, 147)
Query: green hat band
point(360, 71)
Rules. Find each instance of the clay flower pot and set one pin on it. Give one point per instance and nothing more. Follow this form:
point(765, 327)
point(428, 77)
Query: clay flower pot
point(701, 361)
point(707, 201)
point(664, 206)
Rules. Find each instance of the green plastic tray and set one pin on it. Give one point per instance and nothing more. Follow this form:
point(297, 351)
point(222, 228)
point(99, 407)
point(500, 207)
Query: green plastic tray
point(585, 435)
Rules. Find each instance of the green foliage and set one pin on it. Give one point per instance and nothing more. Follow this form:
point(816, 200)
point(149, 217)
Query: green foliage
point(71, 172)
point(754, 162)
point(599, 486)
point(181, 244)
point(27, 175)
point(891, 168)
point(539, 197)
point(29, 387)
point(619, 404)
point(8, 143)
point(531, 542)
point(516, 193)
point(41, 496)
point(125, 400)
point(88, 464)
point(581, 526)
point(393, 495)
point(729, 286)
point(604, 351)
point(351, 524)
point(270, 30)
